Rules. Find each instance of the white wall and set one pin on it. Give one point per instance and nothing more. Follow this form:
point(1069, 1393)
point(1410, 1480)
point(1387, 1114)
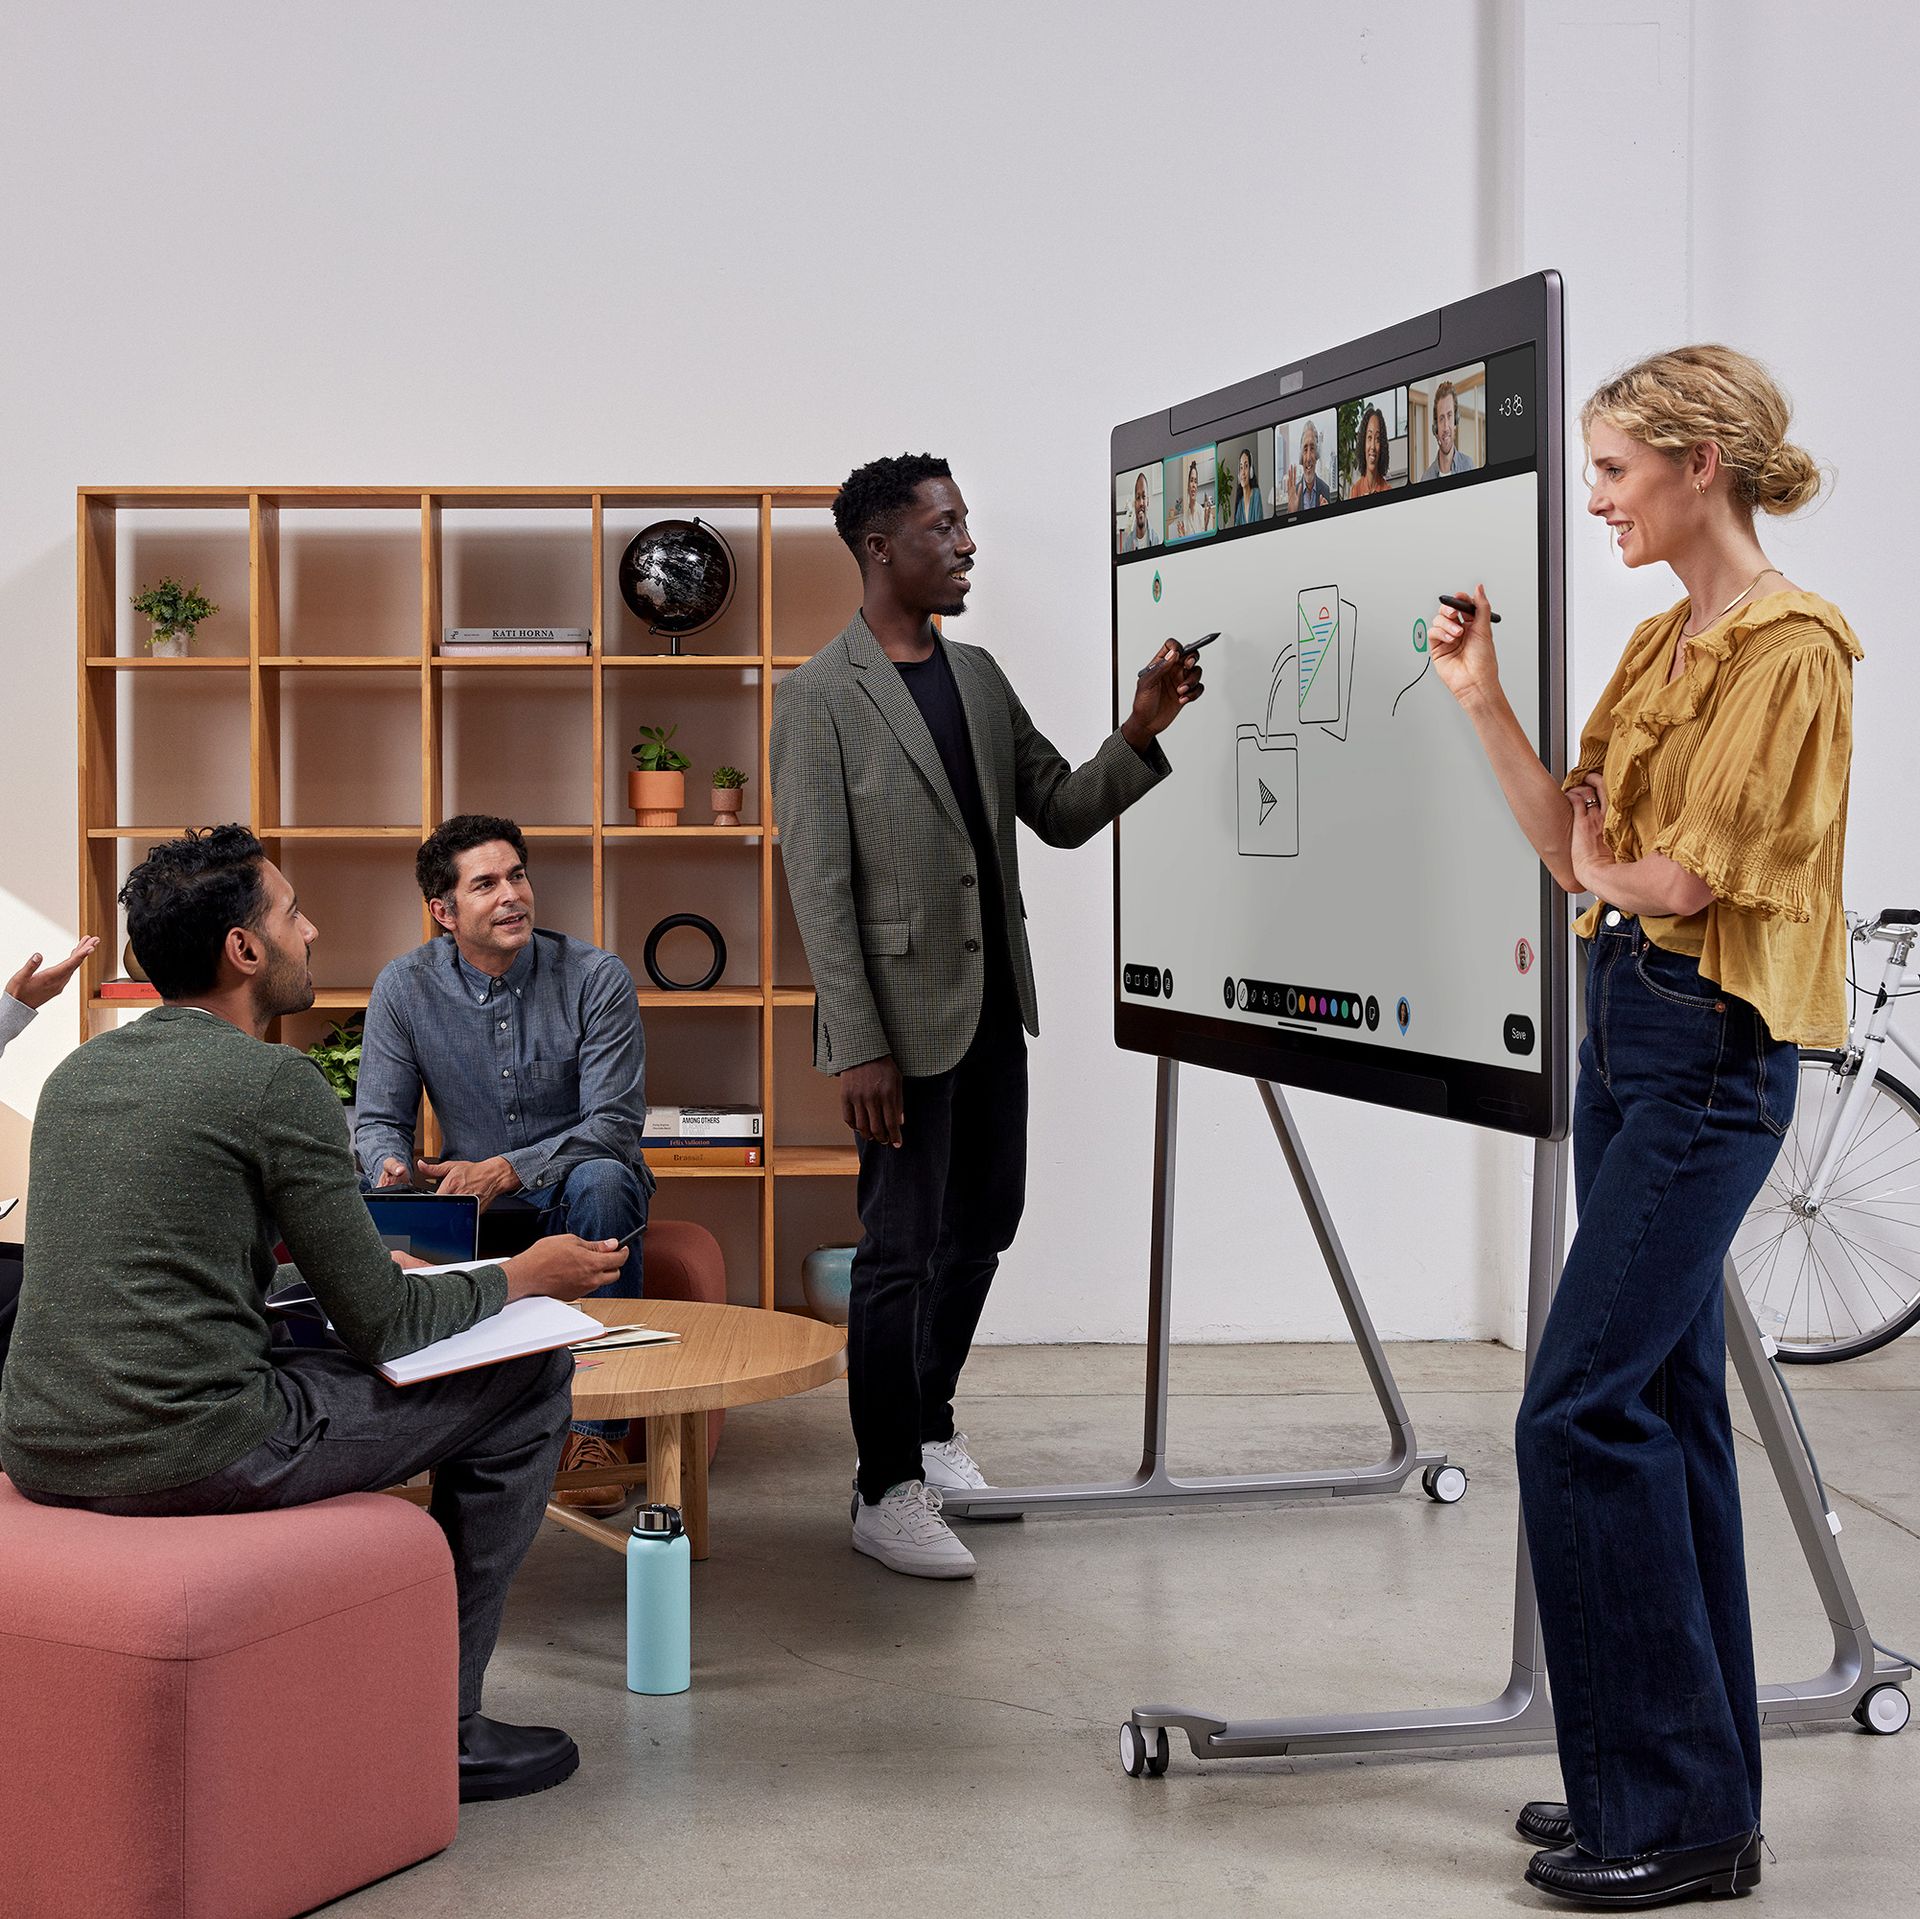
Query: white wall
point(488, 243)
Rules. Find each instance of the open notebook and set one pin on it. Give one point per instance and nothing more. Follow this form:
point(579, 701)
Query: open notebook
point(521, 1326)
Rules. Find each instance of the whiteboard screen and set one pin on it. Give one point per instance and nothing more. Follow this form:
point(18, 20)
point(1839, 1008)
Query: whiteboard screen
point(1330, 890)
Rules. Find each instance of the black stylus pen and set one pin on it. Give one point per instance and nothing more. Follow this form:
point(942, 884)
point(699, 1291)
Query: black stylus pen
point(1205, 639)
point(1466, 608)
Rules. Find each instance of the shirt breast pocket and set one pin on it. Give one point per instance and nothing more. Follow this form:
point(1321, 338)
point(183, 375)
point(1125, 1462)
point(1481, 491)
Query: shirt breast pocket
point(551, 1091)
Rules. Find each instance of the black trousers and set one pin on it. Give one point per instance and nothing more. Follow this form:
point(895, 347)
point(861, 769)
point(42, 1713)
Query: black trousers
point(936, 1213)
point(10, 1268)
point(492, 1438)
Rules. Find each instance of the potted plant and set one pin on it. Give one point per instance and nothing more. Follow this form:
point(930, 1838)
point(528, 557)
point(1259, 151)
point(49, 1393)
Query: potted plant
point(338, 1058)
point(657, 787)
point(175, 611)
point(727, 782)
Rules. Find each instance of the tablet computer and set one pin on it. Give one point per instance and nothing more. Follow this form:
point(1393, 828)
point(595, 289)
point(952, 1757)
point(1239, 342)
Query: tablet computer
point(439, 1228)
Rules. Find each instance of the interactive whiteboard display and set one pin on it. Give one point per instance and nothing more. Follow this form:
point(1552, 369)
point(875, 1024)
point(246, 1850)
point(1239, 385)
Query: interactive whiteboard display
point(1330, 890)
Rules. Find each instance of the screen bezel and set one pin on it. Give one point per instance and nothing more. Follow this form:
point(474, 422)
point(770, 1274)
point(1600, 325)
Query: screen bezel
point(1532, 1103)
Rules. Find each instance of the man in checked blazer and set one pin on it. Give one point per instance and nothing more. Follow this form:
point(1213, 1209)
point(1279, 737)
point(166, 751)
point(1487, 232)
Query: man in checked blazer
point(901, 761)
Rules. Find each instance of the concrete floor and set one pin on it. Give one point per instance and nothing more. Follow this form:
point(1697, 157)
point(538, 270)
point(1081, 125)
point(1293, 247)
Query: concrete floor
point(858, 1743)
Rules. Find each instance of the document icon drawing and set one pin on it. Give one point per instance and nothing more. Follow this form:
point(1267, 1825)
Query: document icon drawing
point(1317, 646)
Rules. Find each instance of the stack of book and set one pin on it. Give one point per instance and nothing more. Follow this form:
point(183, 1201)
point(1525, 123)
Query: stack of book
point(536, 642)
point(703, 1136)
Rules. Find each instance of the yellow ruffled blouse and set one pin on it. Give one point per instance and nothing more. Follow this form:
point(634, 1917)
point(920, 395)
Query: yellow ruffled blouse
point(1738, 771)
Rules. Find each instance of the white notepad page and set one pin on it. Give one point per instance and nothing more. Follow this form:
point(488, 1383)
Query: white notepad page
point(532, 1325)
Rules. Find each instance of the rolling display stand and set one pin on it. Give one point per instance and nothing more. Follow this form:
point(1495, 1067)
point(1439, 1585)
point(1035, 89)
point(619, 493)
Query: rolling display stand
point(1860, 1683)
point(1153, 1486)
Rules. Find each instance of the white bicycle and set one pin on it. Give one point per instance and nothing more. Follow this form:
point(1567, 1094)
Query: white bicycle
point(1829, 1254)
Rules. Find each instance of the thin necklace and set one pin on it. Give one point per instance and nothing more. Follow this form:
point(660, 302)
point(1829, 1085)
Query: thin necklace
point(1730, 605)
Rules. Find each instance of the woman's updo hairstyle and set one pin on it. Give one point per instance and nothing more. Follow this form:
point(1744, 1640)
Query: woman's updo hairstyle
point(1675, 401)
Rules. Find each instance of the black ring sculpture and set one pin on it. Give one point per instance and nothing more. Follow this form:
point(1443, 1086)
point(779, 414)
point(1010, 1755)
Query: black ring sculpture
point(651, 957)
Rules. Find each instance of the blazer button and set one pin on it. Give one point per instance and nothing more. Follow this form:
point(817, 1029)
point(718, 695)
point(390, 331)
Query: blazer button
point(966, 879)
point(973, 946)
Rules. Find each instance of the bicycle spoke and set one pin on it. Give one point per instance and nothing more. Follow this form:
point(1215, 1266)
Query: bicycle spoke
point(1857, 1169)
point(1898, 1260)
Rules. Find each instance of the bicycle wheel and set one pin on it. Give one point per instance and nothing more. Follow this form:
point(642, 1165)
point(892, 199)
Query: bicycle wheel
point(1844, 1279)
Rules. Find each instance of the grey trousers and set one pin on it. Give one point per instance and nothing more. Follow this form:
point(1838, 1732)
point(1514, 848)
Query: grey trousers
point(491, 1437)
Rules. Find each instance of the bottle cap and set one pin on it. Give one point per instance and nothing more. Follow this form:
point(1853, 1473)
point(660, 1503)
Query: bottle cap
point(658, 1522)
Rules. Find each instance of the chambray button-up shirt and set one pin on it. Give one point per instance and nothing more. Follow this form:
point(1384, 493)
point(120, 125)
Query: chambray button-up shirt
point(545, 1065)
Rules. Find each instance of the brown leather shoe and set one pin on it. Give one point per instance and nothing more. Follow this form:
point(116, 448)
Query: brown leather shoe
point(584, 1451)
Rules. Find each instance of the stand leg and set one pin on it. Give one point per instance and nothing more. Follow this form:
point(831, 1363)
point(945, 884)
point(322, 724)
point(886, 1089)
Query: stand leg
point(1153, 1488)
point(1856, 1667)
point(1521, 1713)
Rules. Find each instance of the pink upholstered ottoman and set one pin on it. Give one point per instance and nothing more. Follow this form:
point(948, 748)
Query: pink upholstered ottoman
point(222, 1718)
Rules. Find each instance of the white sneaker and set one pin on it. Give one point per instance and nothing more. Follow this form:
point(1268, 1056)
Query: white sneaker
point(950, 1468)
point(906, 1533)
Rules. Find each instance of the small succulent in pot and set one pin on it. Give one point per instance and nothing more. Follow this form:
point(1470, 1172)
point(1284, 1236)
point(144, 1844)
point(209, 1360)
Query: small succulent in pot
point(727, 784)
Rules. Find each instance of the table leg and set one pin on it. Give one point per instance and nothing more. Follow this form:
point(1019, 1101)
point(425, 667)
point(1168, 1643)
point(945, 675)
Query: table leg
point(663, 1459)
point(694, 1476)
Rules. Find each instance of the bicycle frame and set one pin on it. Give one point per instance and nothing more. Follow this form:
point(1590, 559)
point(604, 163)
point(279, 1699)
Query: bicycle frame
point(1863, 1063)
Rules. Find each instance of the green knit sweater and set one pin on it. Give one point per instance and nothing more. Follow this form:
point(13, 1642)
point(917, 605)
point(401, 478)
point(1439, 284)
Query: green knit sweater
point(168, 1157)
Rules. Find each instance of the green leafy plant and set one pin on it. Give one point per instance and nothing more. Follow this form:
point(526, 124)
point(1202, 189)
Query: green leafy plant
point(173, 609)
point(728, 776)
point(338, 1058)
point(654, 755)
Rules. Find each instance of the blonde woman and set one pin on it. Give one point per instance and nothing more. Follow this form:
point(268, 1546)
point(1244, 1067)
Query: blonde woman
point(1707, 813)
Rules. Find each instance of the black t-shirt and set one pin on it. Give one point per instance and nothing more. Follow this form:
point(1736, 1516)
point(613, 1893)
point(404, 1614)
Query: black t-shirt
point(937, 694)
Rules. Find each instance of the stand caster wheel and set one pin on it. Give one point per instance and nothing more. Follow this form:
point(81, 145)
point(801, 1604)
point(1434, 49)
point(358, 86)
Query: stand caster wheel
point(1445, 1484)
point(1143, 1752)
point(1884, 1710)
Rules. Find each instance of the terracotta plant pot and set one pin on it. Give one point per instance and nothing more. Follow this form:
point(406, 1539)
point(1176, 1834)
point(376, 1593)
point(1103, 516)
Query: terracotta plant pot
point(656, 798)
point(726, 805)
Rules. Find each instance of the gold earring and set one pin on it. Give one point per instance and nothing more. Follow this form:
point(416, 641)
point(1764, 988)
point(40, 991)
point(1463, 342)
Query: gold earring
point(1701, 488)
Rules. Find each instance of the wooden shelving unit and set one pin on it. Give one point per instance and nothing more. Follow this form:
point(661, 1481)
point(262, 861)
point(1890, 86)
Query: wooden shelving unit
point(270, 673)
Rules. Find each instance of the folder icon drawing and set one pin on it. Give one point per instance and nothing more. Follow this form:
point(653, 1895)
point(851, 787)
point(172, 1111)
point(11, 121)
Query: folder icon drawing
point(1267, 777)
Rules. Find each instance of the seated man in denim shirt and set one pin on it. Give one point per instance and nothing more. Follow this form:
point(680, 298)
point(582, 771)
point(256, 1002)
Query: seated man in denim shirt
point(529, 1045)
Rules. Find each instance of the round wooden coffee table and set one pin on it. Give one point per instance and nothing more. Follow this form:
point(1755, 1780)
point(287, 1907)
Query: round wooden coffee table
point(725, 1356)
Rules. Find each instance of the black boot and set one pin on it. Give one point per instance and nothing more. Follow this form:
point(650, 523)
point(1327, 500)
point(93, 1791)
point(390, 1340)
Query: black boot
point(1728, 1870)
point(498, 1761)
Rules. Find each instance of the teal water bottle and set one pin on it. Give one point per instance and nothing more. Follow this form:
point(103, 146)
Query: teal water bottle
point(659, 1602)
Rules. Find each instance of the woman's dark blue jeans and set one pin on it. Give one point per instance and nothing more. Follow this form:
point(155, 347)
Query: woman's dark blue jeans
point(1627, 1475)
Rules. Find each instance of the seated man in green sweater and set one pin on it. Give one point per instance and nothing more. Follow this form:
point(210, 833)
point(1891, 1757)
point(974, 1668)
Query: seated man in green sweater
point(168, 1157)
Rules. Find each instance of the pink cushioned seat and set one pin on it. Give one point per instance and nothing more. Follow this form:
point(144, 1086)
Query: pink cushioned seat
point(237, 1717)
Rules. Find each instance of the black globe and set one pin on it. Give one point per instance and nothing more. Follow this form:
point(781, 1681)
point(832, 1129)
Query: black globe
point(677, 576)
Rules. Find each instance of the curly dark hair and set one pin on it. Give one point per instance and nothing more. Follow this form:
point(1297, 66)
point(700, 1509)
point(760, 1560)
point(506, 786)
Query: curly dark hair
point(872, 497)
point(437, 864)
point(1379, 470)
point(184, 898)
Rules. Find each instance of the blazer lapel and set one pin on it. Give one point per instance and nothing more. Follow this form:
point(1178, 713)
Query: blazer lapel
point(986, 714)
point(888, 692)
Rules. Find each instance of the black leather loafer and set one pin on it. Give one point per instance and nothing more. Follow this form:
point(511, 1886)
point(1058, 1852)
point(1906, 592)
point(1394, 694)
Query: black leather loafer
point(498, 1761)
point(1545, 1822)
point(1725, 1871)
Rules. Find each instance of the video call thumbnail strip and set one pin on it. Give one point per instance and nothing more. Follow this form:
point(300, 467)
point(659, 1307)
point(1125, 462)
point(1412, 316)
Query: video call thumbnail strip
point(1423, 433)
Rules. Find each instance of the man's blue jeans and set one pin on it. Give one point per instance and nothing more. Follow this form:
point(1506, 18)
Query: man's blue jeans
point(599, 1199)
point(1625, 1446)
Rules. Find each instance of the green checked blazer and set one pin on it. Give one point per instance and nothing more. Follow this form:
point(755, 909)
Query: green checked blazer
point(879, 864)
